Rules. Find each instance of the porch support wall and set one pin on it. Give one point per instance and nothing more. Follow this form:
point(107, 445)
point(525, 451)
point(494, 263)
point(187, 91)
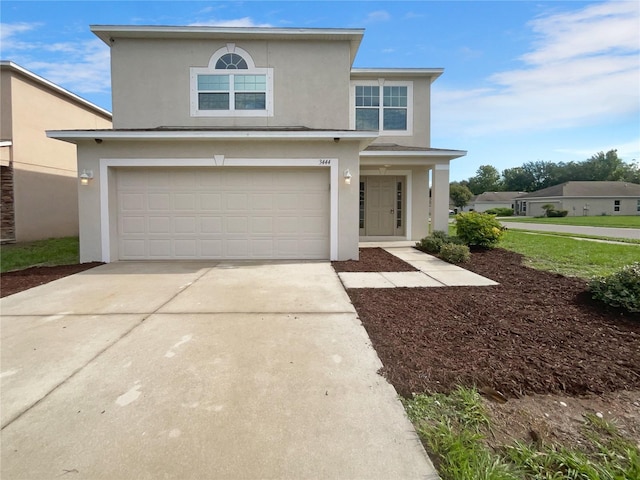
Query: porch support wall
point(440, 198)
point(420, 204)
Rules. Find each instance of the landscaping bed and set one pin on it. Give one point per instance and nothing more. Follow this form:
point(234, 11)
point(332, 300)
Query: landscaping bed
point(19, 280)
point(536, 332)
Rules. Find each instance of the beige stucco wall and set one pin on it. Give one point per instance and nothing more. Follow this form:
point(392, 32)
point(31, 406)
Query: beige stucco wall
point(595, 206)
point(45, 175)
point(90, 153)
point(5, 105)
point(151, 83)
point(483, 207)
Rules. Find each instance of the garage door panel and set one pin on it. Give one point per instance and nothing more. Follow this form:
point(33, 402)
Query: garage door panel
point(159, 225)
point(184, 225)
point(223, 213)
point(185, 248)
point(210, 201)
point(235, 225)
point(210, 224)
point(184, 201)
point(159, 201)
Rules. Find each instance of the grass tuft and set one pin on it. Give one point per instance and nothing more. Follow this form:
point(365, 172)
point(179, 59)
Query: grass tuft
point(453, 429)
point(53, 251)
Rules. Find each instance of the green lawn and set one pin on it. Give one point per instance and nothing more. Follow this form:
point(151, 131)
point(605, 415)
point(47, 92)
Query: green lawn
point(54, 251)
point(601, 221)
point(570, 257)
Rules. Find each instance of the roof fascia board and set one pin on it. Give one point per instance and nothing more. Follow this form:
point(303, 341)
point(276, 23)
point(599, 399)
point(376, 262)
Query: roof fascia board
point(108, 33)
point(209, 135)
point(361, 73)
point(57, 88)
point(415, 153)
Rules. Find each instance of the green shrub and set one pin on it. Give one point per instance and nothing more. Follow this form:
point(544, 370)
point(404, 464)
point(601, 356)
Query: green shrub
point(454, 253)
point(620, 289)
point(500, 211)
point(557, 213)
point(434, 242)
point(430, 245)
point(479, 229)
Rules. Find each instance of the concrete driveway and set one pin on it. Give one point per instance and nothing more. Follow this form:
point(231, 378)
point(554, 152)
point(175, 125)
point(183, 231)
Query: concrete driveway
point(197, 370)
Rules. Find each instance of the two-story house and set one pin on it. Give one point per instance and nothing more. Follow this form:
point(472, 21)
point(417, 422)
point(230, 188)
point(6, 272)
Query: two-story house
point(256, 143)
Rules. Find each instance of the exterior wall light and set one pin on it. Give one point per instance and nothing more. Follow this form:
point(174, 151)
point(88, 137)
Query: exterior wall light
point(85, 176)
point(347, 177)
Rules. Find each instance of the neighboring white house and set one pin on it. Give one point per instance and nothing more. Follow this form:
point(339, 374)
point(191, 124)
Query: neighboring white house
point(256, 143)
point(583, 199)
point(488, 200)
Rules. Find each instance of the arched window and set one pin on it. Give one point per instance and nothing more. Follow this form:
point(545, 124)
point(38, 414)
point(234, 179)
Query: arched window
point(231, 61)
point(231, 86)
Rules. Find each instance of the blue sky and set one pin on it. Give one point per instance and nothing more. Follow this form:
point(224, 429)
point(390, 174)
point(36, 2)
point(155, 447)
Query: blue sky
point(524, 81)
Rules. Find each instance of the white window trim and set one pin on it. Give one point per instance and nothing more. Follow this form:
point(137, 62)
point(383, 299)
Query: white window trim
point(211, 70)
point(381, 82)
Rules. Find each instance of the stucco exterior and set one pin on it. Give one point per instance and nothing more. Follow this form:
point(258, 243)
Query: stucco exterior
point(583, 199)
point(45, 183)
point(307, 120)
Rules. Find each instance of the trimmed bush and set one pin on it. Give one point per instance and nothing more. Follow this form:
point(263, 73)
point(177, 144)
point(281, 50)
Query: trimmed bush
point(620, 289)
point(479, 229)
point(454, 253)
point(430, 245)
point(500, 211)
point(434, 242)
point(557, 213)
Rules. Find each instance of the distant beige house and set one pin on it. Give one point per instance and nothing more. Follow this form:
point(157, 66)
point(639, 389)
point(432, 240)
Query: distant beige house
point(256, 143)
point(39, 176)
point(488, 200)
point(583, 199)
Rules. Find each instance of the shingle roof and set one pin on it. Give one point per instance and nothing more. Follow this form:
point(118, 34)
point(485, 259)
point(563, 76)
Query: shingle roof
point(588, 189)
point(497, 196)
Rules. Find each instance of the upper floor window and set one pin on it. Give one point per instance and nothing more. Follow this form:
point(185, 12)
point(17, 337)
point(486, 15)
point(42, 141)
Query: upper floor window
point(231, 86)
point(383, 106)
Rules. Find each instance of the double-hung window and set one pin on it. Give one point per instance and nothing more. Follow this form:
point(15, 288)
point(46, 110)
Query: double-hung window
point(232, 87)
point(384, 108)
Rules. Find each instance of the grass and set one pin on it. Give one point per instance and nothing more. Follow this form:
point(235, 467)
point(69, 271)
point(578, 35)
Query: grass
point(570, 257)
point(455, 427)
point(617, 221)
point(53, 251)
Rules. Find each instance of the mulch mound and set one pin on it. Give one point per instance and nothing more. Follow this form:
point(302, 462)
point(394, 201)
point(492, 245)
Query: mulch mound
point(14, 282)
point(536, 332)
point(373, 260)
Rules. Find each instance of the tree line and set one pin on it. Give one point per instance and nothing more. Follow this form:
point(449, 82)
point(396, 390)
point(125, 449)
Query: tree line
point(532, 176)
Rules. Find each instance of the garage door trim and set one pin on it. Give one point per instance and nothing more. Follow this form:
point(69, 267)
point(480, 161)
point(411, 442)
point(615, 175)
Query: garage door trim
point(216, 161)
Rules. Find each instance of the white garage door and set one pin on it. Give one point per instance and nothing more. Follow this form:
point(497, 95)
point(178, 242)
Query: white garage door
point(230, 213)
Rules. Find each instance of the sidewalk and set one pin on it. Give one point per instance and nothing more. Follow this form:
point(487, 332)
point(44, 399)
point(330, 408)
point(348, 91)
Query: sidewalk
point(432, 272)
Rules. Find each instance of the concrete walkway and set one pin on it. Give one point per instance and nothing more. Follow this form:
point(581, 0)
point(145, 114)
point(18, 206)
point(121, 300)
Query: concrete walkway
point(197, 370)
point(580, 230)
point(432, 272)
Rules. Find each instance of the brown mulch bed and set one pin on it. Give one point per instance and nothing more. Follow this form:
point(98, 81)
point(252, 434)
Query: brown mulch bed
point(14, 282)
point(536, 332)
point(373, 260)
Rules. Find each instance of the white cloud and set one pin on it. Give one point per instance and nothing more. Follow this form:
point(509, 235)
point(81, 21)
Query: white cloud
point(583, 68)
point(627, 151)
point(237, 22)
point(377, 16)
point(88, 72)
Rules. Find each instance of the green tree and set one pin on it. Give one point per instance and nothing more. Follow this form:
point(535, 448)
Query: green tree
point(487, 179)
point(517, 180)
point(460, 195)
